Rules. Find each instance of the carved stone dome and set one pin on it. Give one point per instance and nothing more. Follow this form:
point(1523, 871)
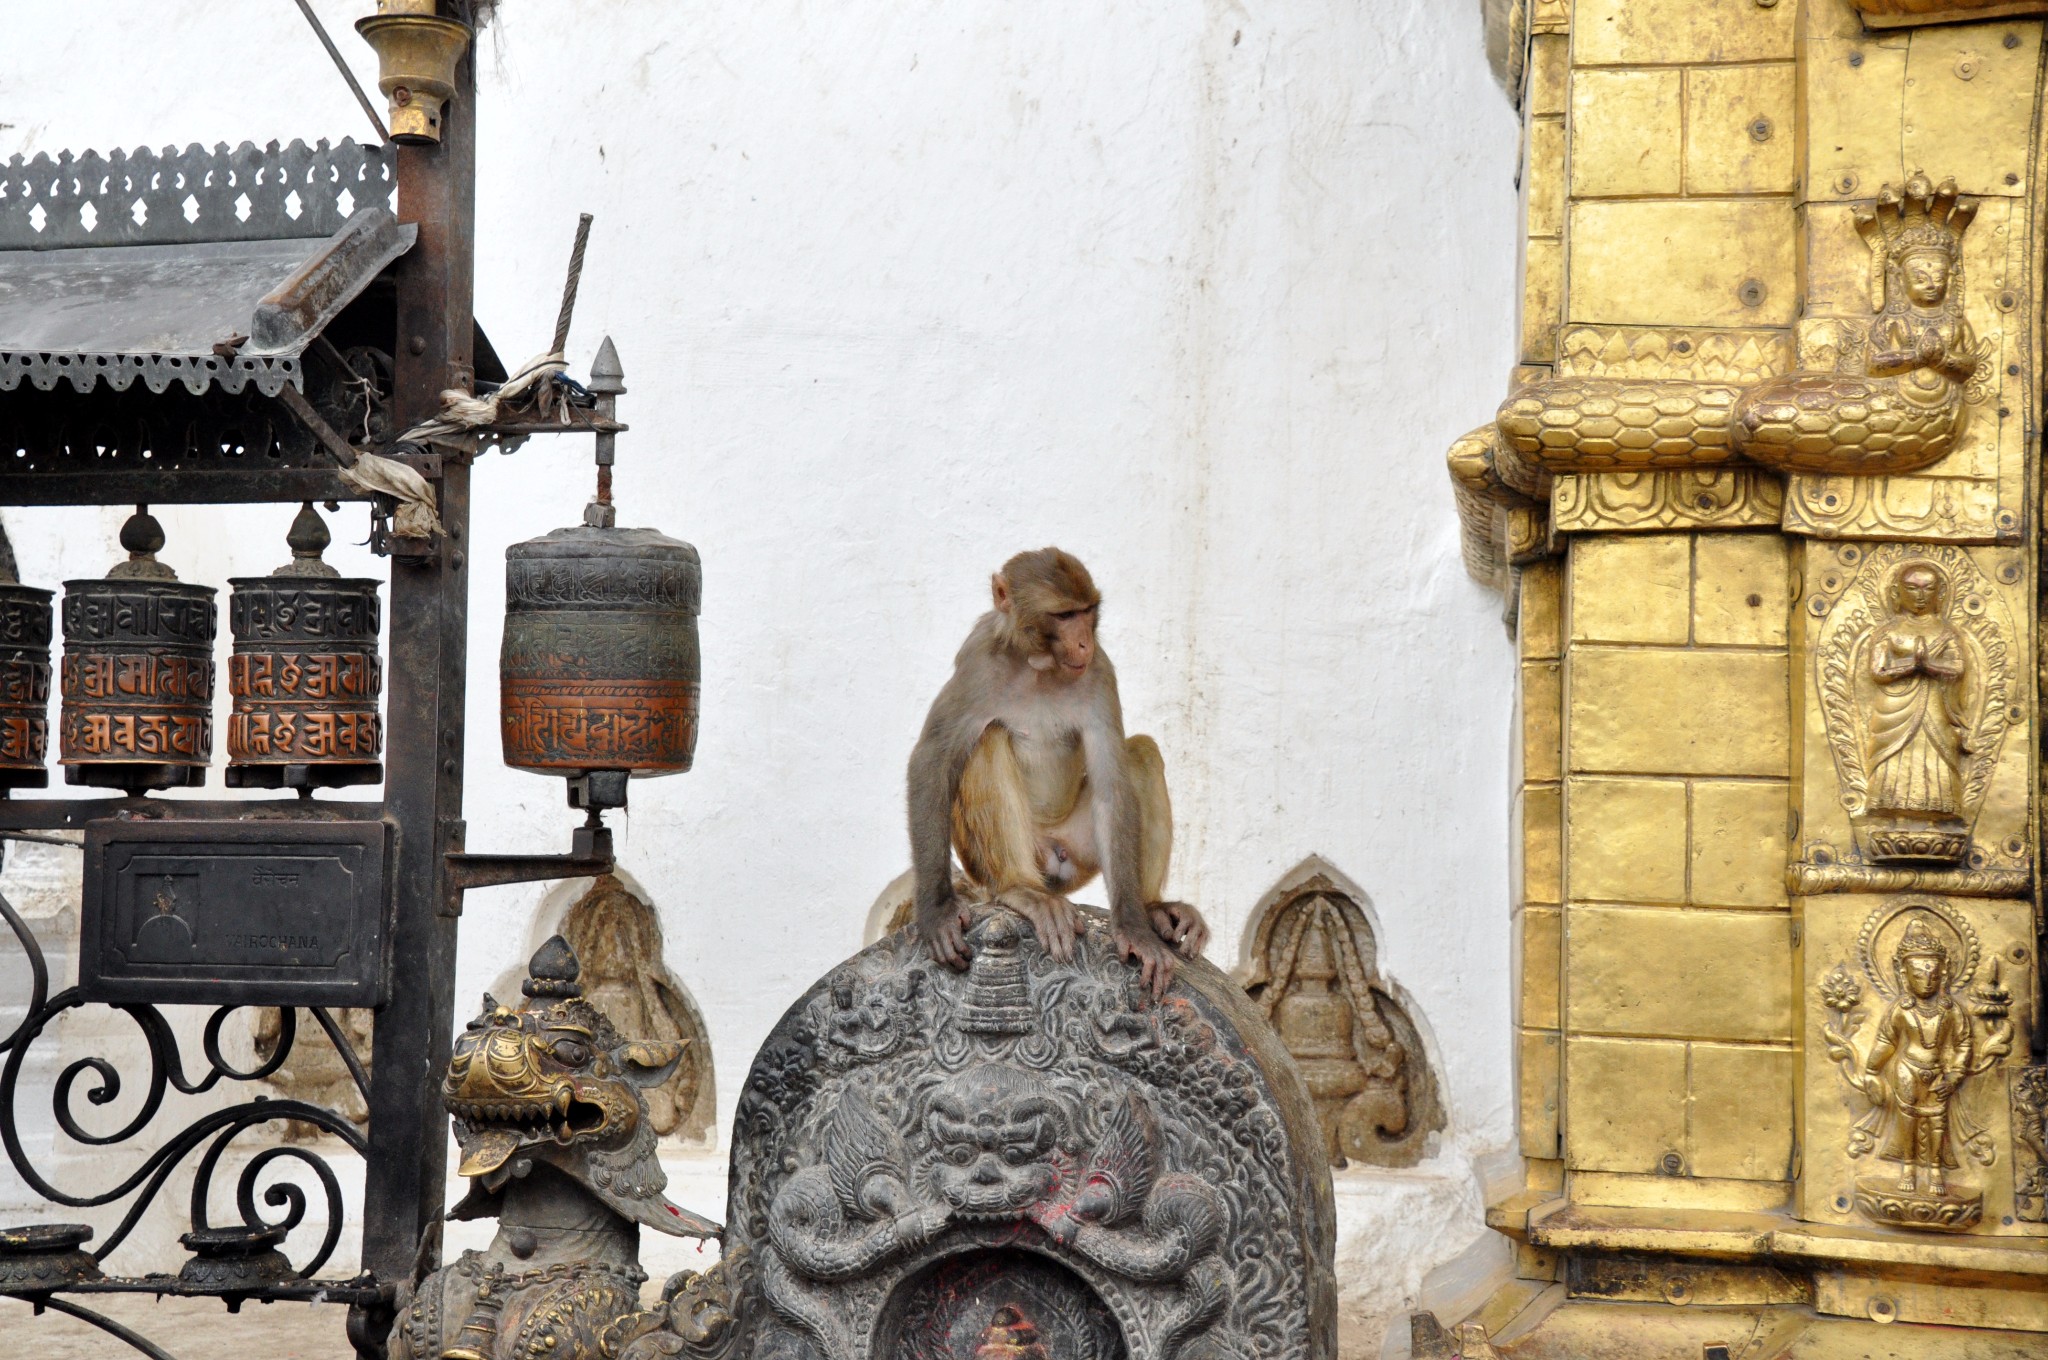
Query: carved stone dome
point(1097, 1176)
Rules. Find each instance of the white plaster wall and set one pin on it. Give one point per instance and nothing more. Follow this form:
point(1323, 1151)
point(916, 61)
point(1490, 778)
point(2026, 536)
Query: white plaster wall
point(1199, 290)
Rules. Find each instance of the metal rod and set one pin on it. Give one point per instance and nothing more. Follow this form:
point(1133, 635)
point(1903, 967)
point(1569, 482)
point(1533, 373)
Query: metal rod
point(570, 284)
point(105, 1324)
point(369, 109)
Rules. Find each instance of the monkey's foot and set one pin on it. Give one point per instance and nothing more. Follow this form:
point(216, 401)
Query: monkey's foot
point(1052, 916)
point(1181, 926)
point(1152, 955)
point(945, 932)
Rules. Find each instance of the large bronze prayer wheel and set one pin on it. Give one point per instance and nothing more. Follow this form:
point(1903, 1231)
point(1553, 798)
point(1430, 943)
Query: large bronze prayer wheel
point(25, 621)
point(137, 684)
point(599, 669)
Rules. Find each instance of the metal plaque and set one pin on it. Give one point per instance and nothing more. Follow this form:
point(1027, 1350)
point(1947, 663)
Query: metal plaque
point(272, 913)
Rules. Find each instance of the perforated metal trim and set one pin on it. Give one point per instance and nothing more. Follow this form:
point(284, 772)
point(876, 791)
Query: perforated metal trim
point(197, 372)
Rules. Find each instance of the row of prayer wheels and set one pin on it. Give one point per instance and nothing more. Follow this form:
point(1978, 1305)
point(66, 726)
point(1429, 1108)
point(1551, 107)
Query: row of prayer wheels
point(599, 668)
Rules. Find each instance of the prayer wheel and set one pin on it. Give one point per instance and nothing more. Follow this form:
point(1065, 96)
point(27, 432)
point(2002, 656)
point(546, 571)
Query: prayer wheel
point(305, 677)
point(599, 671)
point(25, 619)
point(137, 679)
point(598, 675)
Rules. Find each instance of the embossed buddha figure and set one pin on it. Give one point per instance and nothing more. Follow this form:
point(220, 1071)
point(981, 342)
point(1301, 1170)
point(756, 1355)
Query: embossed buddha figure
point(1918, 1059)
point(1918, 726)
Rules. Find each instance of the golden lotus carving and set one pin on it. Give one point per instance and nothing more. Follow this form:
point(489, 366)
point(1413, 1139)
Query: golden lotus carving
point(1914, 669)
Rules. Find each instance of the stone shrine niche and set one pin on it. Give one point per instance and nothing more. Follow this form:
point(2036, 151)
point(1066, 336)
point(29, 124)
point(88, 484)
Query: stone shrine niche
point(617, 935)
point(1313, 966)
point(612, 925)
point(1027, 1160)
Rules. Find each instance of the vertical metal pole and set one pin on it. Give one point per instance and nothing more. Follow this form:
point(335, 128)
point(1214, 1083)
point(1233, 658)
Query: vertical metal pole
point(423, 761)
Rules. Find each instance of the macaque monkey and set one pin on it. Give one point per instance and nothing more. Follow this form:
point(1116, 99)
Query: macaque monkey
point(1023, 768)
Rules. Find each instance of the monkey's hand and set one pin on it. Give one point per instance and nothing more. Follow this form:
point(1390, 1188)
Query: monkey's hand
point(943, 925)
point(1137, 941)
point(1181, 926)
point(1051, 915)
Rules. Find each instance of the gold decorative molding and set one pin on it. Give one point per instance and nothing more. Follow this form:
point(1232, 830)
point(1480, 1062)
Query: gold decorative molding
point(1624, 502)
point(1905, 13)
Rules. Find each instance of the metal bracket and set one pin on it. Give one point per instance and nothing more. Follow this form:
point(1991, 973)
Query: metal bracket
point(590, 854)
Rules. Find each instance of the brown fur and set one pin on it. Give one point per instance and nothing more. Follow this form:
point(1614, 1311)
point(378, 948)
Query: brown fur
point(1023, 767)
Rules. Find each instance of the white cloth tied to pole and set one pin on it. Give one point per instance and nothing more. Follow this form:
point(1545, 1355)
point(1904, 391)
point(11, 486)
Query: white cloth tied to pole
point(461, 414)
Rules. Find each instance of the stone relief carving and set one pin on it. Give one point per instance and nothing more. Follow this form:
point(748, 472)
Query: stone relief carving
point(2030, 1144)
point(1936, 1029)
point(1029, 1158)
point(1312, 966)
point(316, 1072)
point(617, 936)
point(1915, 671)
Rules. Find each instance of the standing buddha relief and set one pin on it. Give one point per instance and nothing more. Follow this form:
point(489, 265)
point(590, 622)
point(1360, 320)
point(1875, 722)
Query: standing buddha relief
point(1914, 672)
point(1939, 1028)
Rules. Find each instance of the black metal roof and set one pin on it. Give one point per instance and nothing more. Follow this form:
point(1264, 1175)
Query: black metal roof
point(208, 269)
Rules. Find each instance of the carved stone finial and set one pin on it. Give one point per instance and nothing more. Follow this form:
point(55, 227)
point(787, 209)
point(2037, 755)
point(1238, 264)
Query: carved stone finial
point(308, 538)
point(607, 375)
point(553, 970)
point(143, 537)
point(999, 994)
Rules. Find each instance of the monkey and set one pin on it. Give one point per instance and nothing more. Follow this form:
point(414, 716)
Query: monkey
point(1024, 770)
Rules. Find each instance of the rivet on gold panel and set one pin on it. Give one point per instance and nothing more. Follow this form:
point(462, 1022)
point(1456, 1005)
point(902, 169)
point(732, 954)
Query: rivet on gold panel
point(1708, 262)
point(1678, 974)
point(1740, 130)
point(1742, 590)
point(1625, 1104)
point(1625, 840)
point(1969, 105)
point(1631, 588)
point(1627, 136)
point(1852, 92)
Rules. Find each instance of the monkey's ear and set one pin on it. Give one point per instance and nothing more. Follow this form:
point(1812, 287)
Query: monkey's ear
point(999, 588)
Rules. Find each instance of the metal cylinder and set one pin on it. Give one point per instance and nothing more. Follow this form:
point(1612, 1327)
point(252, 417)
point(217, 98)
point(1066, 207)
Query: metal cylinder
point(304, 681)
point(25, 619)
point(137, 684)
point(599, 671)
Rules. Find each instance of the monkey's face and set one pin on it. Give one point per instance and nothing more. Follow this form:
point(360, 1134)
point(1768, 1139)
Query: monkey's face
point(1070, 642)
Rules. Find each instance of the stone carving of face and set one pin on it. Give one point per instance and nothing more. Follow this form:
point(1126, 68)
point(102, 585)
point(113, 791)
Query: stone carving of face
point(993, 1130)
point(1926, 275)
point(1918, 591)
